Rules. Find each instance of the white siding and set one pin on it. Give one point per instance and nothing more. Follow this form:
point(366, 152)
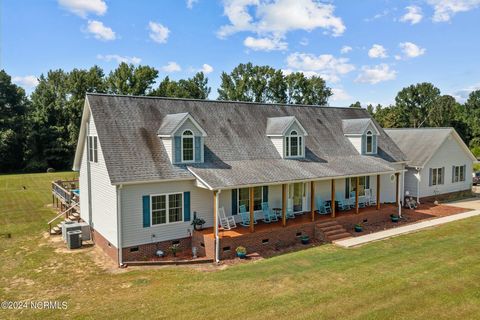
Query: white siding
point(450, 153)
point(167, 143)
point(190, 126)
point(411, 182)
point(356, 142)
point(103, 193)
point(133, 232)
point(83, 180)
point(278, 143)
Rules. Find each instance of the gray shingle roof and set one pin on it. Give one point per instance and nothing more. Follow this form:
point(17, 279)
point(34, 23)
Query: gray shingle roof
point(170, 122)
point(355, 126)
point(419, 144)
point(276, 126)
point(237, 150)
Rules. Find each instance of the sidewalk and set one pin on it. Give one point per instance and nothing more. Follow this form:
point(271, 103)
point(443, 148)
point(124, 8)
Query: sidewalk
point(358, 241)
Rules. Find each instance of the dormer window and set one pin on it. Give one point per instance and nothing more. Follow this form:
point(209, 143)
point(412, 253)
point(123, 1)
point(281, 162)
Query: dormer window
point(293, 145)
point(369, 142)
point(188, 146)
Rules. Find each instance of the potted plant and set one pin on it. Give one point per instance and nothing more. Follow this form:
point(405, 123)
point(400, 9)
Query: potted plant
point(394, 218)
point(174, 249)
point(358, 227)
point(305, 239)
point(241, 252)
point(197, 223)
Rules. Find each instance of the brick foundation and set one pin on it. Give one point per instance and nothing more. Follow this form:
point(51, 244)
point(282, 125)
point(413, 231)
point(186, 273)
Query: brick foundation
point(106, 246)
point(146, 251)
point(467, 193)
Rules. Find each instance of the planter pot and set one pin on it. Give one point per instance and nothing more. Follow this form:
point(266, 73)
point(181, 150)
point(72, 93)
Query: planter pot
point(305, 240)
point(394, 219)
point(241, 255)
point(198, 227)
point(358, 229)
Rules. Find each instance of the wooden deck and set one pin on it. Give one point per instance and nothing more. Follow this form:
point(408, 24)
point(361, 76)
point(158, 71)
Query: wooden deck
point(306, 218)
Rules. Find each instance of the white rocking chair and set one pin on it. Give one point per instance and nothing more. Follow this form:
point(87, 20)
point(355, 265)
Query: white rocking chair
point(371, 200)
point(227, 223)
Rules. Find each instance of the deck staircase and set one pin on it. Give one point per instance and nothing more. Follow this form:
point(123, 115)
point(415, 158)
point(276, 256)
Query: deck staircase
point(330, 231)
point(70, 214)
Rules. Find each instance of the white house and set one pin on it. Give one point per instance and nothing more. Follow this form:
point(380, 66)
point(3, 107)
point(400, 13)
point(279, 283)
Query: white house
point(439, 162)
point(148, 165)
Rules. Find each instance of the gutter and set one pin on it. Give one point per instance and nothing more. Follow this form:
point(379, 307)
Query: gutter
point(119, 225)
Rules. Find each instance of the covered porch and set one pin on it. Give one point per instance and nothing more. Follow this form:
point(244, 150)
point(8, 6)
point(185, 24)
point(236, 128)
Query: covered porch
point(289, 210)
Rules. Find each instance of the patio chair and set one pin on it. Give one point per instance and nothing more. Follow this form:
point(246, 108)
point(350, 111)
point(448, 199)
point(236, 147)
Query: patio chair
point(272, 216)
point(343, 204)
point(368, 196)
point(323, 207)
point(245, 216)
point(290, 214)
point(227, 223)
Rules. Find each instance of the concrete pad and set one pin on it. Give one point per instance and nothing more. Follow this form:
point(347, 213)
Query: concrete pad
point(472, 203)
point(358, 241)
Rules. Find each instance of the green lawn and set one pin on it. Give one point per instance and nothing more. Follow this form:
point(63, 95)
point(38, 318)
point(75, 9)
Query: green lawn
point(434, 274)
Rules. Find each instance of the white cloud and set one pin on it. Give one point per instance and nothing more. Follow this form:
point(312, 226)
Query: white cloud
point(26, 81)
point(413, 16)
point(377, 51)
point(83, 7)
point(382, 14)
point(346, 49)
point(206, 68)
point(326, 65)
point(444, 10)
point(376, 74)
point(172, 66)
point(190, 3)
point(276, 18)
point(462, 94)
point(100, 31)
point(158, 32)
point(304, 42)
point(340, 94)
point(411, 50)
point(265, 44)
point(118, 58)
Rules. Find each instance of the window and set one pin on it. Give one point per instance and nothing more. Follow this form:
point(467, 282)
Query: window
point(363, 183)
point(188, 146)
point(437, 176)
point(458, 174)
point(244, 198)
point(369, 142)
point(294, 145)
point(92, 149)
point(166, 208)
point(296, 194)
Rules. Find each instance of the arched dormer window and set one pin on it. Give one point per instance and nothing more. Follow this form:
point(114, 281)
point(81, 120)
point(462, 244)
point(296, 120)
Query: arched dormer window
point(293, 145)
point(188, 146)
point(369, 142)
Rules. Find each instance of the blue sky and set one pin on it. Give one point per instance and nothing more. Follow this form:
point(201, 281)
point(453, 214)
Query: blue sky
point(366, 50)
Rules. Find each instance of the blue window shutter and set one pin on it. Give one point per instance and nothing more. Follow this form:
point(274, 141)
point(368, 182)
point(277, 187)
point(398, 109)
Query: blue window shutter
point(234, 202)
point(178, 149)
point(464, 172)
point(198, 149)
point(453, 174)
point(367, 182)
point(146, 211)
point(443, 175)
point(347, 188)
point(374, 141)
point(430, 176)
point(186, 206)
point(265, 193)
point(364, 143)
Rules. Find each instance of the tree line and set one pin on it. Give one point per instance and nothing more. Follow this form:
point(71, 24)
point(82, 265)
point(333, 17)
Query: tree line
point(40, 131)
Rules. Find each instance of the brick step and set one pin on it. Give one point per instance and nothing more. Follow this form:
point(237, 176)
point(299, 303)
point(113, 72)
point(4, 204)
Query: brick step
point(335, 232)
point(330, 228)
point(56, 230)
point(326, 224)
point(339, 236)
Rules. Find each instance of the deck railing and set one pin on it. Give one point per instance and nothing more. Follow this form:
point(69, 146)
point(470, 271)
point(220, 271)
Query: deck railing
point(63, 190)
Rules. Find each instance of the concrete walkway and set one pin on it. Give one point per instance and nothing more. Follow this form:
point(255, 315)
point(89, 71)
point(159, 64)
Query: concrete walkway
point(358, 241)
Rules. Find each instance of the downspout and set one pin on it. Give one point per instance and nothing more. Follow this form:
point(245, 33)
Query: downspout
point(217, 239)
point(418, 185)
point(119, 225)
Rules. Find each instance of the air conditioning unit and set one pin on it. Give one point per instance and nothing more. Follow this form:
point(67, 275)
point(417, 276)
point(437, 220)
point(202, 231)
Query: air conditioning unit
point(69, 226)
point(74, 239)
point(85, 227)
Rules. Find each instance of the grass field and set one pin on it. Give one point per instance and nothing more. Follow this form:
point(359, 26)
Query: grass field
point(434, 274)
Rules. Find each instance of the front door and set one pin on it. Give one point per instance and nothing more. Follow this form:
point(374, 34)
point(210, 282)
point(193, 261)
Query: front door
point(295, 195)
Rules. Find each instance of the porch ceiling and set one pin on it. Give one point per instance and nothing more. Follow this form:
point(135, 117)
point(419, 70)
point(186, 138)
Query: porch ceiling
point(234, 174)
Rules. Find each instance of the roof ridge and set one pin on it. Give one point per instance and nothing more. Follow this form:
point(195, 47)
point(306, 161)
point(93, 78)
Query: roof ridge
point(423, 128)
point(218, 101)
